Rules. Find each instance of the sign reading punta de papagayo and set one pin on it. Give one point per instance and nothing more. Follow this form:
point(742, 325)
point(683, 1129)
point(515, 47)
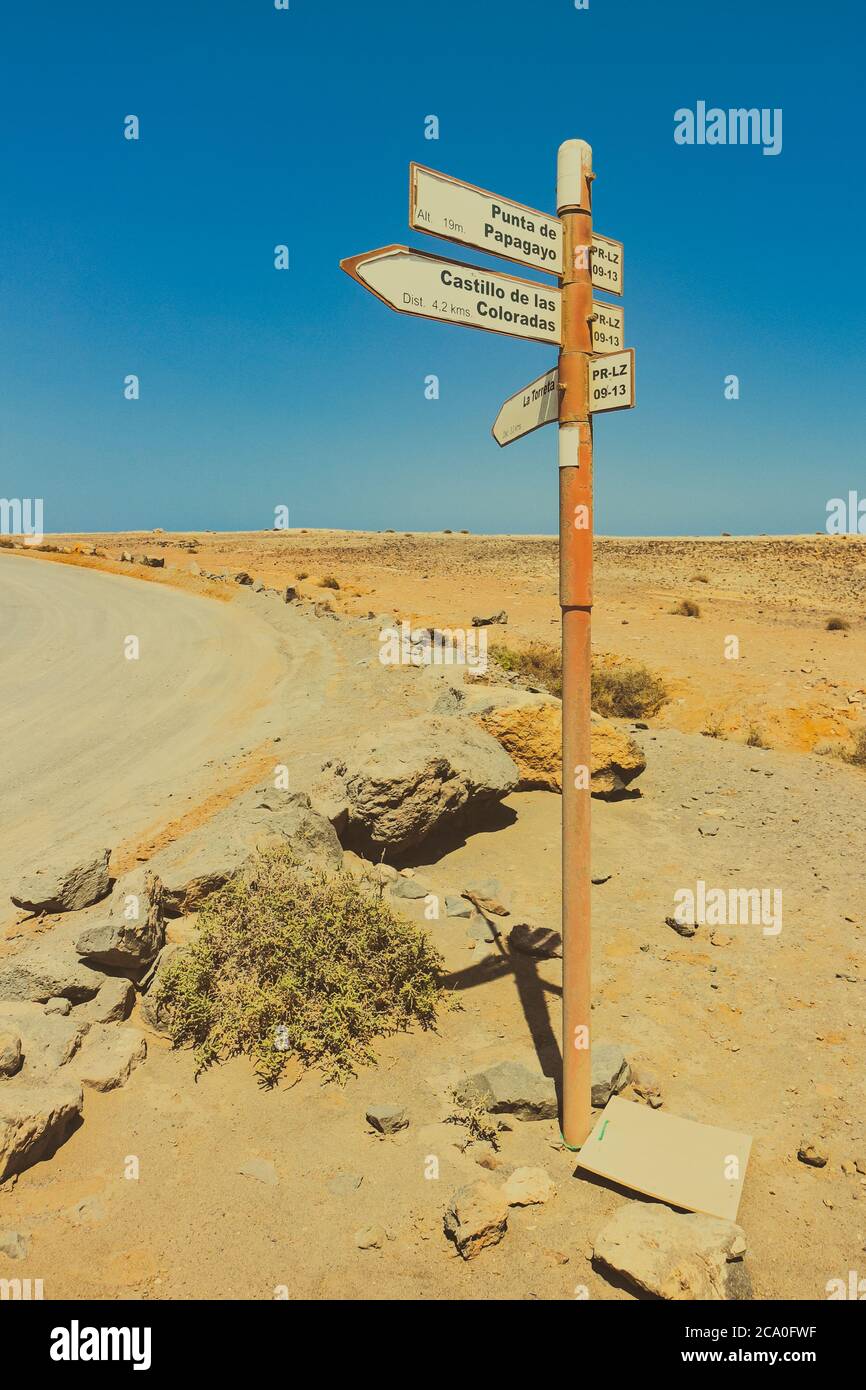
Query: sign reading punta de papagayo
point(448, 207)
point(414, 282)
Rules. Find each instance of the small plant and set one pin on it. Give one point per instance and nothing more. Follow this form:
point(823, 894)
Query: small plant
point(478, 1123)
point(302, 574)
point(687, 608)
point(856, 755)
point(713, 728)
point(538, 663)
point(754, 738)
point(288, 963)
point(329, 582)
point(627, 691)
point(838, 625)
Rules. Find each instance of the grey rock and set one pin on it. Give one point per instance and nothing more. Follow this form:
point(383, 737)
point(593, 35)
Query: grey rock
point(671, 1255)
point(14, 1245)
point(344, 1184)
point(108, 1056)
point(417, 776)
point(65, 885)
point(370, 1238)
point(511, 1088)
point(49, 968)
point(709, 828)
point(113, 1002)
point(409, 888)
point(58, 1006)
point(476, 1217)
point(261, 1169)
point(457, 907)
point(88, 1212)
point(34, 1121)
point(449, 701)
point(610, 1072)
point(500, 617)
point(683, 928)
point(48, 1041)
point(134, 930)
point(153, 1011)
point(387, 1119)
point(242, 577)
point(290, 594)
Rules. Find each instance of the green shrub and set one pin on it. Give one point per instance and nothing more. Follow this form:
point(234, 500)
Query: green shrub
point(288, 963)
point(623, 690)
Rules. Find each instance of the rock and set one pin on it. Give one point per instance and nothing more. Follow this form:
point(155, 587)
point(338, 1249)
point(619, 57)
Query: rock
point(512, 1088)
point(48, 968)
point(647, 1087)
point(541, 942)
point(58, 1006)
point(48, 1041)
point(487, 906)
point(152, 1011)
point(449, 701)
point(457, 907)
point(125, 557)
point(370, 1238)
point(64, 884)
point(261, 1169)
point(34, 1122)
point(610, 1072)
point(242, 577)
point(290, 594)
point(476, 1216)
point(387, 1119)
point(710, 828)
point(154, 562)
point(500, 617)
point(108, 1056)
point(409, 888)
point(813, 1153)
point(669, 1255)
point(11, 1056)
point(113, 1002)
point(14, 1245)
point(530, 731)
point(344, 1184)
point(683, 928)
point(398, 786)
point(528, 1187)
point(265, 818)
point(88, 1212)
point(134, 931)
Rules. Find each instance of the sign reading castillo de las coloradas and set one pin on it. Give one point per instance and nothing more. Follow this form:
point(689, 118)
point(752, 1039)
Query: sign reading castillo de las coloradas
point(414, 282)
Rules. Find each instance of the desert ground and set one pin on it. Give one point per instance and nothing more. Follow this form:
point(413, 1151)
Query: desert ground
point(244, 1192)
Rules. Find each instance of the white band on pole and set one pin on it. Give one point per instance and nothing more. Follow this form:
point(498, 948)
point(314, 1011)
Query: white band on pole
point(573, 157)
point(569, 443)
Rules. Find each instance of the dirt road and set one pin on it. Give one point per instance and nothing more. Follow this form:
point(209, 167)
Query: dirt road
point(100, 743)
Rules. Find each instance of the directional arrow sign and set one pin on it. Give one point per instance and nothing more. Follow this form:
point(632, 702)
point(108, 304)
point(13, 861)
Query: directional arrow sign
point(536, 405)
point(611, 381)
point(461, 212)
point(451, 292)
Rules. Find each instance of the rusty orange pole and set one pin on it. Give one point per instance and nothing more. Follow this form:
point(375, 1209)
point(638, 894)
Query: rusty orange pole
point(574, 206)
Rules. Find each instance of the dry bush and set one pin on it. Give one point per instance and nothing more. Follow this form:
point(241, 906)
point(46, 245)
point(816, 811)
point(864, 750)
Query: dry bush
point(754, 738)
point(713, 728)
point(292, 963)
point(687, 608)
point(329, 582)
point(623, 690)
point(838, 625)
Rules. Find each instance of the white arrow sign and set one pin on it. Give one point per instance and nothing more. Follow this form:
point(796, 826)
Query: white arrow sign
point(536, 405)
point(414, 282)
point(611, 381)
point(450, 208)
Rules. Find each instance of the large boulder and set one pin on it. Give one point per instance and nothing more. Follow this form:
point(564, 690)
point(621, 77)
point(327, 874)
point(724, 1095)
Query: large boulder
point(668, 1254)
point(395, 787)
point(48, 1041)
point(530, 731)
point(49, 968)
point(34, 1121)
point(134, 930)
point(65, 884)
point(265, 818)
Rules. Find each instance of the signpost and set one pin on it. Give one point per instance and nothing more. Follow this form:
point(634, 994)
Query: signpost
point(595, 373)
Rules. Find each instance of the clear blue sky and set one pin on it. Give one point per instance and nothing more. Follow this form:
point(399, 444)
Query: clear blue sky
point(261, 387)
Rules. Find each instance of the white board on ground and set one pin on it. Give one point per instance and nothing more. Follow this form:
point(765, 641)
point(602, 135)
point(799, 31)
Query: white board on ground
point(699, 1167)
point(414, 282)
point(611, 381)
point(448, 207)
point(536, 405)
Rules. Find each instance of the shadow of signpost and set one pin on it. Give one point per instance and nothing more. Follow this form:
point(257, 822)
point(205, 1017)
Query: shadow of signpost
point(531, 992)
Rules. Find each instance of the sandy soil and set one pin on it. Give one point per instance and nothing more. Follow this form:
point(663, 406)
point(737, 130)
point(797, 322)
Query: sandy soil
point(760, 1033)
